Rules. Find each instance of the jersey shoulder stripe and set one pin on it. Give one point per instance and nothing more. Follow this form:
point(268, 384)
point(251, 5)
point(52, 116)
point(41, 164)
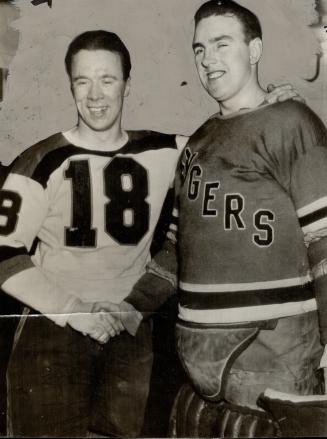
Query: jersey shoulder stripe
point(141, 141)
point(26, 163)
point(40, 160)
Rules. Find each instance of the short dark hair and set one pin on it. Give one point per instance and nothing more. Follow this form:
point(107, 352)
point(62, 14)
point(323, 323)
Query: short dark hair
point(99, 40)
point(249, 21)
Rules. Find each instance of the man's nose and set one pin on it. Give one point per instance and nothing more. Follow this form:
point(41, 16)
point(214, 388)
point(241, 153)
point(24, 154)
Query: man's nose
point(95, 92)
point(208, 58)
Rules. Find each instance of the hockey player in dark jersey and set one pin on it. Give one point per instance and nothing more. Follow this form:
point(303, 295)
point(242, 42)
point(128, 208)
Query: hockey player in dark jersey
point(251, 212)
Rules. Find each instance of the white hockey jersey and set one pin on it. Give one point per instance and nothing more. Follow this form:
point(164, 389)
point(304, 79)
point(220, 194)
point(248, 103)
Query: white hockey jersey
point(93, 212)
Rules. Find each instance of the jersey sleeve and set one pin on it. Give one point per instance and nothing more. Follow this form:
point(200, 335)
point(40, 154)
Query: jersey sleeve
point(297, 152)
point(24, 205)
point(160, 280)
point(302, 171)
point(308, 190)
point(32, 287)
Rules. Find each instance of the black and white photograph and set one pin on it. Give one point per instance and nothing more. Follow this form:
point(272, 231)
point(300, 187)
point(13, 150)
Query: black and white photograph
point(163, 218)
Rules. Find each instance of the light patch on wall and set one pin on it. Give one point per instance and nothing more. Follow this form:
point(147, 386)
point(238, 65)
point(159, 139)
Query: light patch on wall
point(9, 40)
point(305, 10)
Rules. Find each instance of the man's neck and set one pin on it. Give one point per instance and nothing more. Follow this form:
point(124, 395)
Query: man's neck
point(109, 140)
point(250, 97)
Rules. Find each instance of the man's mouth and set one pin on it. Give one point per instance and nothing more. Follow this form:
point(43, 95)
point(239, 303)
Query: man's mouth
point(97, 111)
point(216, 74)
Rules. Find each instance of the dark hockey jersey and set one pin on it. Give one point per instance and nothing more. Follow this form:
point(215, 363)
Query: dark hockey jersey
point(253, 186)
point(252, 194)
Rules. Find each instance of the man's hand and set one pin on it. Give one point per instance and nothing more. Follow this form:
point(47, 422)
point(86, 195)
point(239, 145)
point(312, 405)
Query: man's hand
point(282, 93)
point(123, 312)
point(89, 320)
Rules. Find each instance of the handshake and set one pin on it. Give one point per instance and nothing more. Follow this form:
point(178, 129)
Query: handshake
point(103, 320)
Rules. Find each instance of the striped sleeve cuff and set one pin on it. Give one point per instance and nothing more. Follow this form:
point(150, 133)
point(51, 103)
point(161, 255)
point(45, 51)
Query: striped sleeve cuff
point(313, 216)
point(12, 261)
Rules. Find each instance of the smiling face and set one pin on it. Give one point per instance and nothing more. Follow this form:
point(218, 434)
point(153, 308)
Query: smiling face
point(222, 56)
point(98, 88)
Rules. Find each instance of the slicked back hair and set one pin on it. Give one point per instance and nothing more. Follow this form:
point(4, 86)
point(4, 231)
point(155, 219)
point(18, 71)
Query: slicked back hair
point(249, 21)
point(99, 40)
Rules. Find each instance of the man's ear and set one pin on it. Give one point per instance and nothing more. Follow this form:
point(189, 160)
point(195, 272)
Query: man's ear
point(127, 87)
point(255, 50)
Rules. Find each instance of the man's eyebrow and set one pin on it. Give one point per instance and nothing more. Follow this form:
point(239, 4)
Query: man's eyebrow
point(76, 78)
point(110, 76)
point(212, 40)
point(104, 76)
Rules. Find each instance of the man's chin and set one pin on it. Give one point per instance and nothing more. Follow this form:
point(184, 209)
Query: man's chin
point(217, 95)
point(99, 127)
point(214, 90)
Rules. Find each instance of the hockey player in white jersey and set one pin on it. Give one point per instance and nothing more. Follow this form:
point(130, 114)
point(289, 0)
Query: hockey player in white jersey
point(92, 197)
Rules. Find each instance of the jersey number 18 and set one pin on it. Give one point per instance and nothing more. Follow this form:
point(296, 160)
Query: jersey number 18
point(122, 200)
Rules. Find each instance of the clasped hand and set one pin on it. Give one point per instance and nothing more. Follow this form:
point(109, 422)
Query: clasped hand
point(99, 320)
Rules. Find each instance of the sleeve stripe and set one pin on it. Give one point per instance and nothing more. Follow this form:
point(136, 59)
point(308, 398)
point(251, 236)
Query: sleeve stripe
point(316, 227)
point(7, 252)
point(312, 207)
point(13, 261)
point(313, 217)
